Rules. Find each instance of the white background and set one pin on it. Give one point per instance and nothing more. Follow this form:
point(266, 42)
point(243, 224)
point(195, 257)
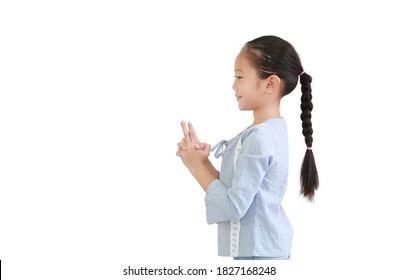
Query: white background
point(91, 97)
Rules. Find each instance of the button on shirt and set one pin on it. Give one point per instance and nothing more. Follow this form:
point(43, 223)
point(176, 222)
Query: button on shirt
point(250, 191)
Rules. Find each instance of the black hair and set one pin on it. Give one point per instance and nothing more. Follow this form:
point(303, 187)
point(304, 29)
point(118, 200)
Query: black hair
point(271, 55)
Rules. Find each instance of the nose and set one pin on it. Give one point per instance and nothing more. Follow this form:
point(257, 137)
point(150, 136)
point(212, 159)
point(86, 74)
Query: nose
point(234, 87)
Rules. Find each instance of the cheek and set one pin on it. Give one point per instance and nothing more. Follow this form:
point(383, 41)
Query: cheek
point(254, 87)
point(259, 84)
point(247, 86)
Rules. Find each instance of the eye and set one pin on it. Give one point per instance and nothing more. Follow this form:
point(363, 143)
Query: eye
point(238, 77)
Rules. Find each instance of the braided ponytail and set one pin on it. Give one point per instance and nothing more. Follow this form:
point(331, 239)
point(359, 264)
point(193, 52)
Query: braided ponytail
point(308, 177)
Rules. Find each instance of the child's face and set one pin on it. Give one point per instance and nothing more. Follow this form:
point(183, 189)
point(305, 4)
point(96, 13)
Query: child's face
point(248, 87)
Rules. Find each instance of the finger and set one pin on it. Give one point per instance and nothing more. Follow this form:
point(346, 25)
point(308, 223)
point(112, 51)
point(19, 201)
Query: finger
point(192, 132)
point(200, 146)
point(181, 146)
point(185, 131)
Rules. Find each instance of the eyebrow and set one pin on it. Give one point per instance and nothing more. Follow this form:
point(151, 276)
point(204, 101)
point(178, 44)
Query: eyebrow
point(238, 70)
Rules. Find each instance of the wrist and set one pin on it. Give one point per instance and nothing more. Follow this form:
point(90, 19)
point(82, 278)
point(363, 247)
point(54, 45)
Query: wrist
point(203, 176)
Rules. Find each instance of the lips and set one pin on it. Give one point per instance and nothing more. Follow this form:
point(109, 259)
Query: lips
point(238, 98)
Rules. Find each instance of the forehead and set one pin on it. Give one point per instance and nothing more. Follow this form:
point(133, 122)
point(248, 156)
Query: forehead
point(242, 63)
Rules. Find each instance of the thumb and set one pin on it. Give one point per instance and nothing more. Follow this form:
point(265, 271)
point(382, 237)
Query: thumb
point(206, 147)
point(200, 146)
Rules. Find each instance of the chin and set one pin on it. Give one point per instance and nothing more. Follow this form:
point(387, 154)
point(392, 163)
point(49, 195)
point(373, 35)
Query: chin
point(243, 108)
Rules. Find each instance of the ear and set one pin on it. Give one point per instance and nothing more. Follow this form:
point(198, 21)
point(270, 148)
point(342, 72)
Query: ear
point(273, 83)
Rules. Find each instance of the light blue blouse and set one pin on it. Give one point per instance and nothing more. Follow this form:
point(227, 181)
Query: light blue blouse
point(245, 201)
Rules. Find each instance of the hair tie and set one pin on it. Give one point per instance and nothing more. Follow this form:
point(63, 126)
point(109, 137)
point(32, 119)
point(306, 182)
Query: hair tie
point(303, 71)
point(309, 148)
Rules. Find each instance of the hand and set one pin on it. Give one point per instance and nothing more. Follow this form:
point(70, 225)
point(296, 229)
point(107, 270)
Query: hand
point(198, 145)
point(194, 155)
point(191, 150)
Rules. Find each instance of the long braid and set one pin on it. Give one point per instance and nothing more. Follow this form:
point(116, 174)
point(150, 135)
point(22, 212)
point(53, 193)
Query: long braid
point(308, 177)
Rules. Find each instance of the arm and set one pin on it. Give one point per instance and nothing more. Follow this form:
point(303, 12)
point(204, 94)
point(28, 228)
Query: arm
point(212, 169)
point(203, 172)
point(229, 202)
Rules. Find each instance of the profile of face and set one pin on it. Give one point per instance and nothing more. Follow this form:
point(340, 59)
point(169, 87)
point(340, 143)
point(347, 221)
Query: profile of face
point(251, 91)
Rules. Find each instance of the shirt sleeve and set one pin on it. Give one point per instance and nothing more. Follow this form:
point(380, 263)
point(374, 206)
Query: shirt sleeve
point(225, 203)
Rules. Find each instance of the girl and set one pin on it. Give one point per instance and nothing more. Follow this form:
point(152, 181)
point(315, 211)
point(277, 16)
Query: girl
point(245, 197)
